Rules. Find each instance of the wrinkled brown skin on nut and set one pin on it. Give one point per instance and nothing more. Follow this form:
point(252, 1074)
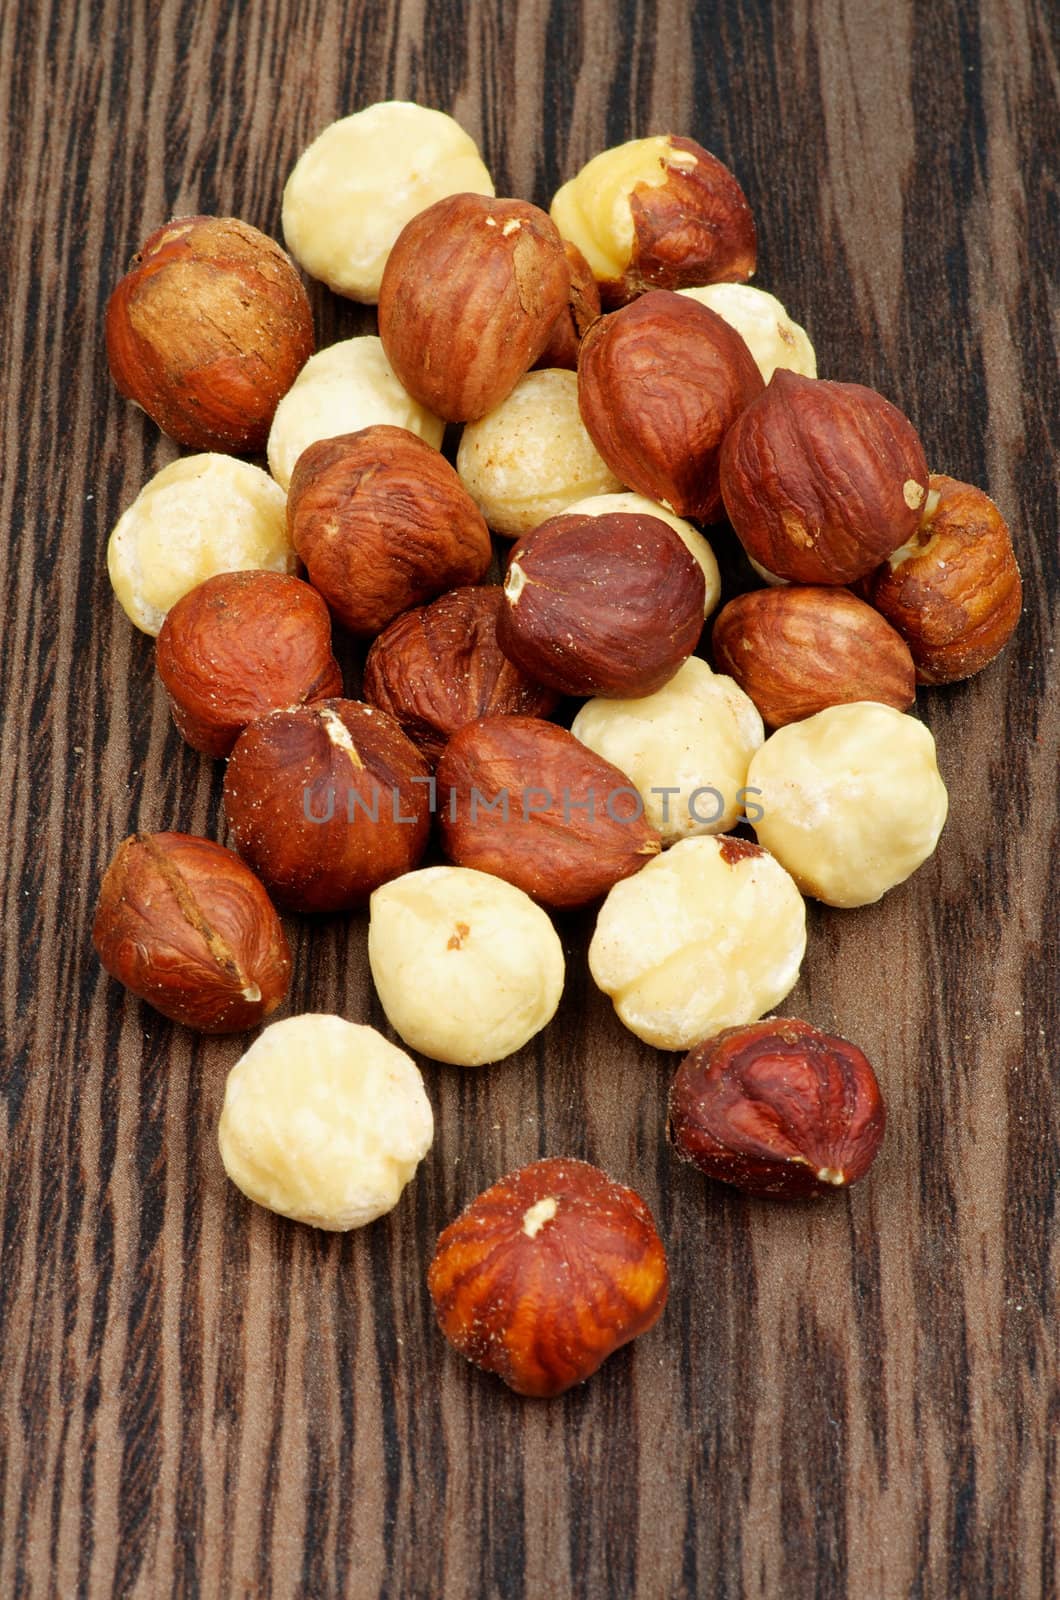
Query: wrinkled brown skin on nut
point(955, 594)
point(466, 308)
point(795, 651)
point(208, 330)
point(777, 1109)
point(440, 667)
point(660, 383)
point(559, 854)
point(239, 645)
point(542, 1300)
point(821, 480)
point(321, 825)
point(574, 322)
point(185, 926)
point(602, 605)
point(383, 523)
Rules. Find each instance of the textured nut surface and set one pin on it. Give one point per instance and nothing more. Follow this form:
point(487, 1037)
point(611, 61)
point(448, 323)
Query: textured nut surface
point(772, 337)
point(208, 330)
point(383, 523)
point(599, 505)
point(660, 383)
point(466, 966)
point(353, 190)
point(657, 213)
point(709, 935)
point(199, 516)
point(239, 645)
point(851, 799)
point(582, 310)
point(184, 925)
point(529, 458)
point(778, 1109)
point(796, 650)
point(686, 748)
point(547, 1273)
point(324, 1121)
point(348, 386)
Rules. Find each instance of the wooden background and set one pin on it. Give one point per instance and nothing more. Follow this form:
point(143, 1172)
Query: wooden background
point(858, 1398)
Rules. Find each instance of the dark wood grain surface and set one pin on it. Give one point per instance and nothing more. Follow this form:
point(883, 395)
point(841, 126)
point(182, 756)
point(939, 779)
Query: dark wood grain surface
point(854, 1399)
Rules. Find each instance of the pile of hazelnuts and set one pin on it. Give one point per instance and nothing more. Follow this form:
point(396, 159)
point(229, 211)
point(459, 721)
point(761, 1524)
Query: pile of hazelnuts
point(620, 385)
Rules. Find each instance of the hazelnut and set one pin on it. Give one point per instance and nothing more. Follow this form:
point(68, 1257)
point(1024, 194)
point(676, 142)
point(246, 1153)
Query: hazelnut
point(208, 330)
point(762, 323)
point(327, 802)
point(582, 310)
point(353, 190)
point(851, 800)
point(526, 801)
point(471, 292)
point(660, 383)
point(707, 936)
point(686, 748)
point(344, 388)
point(383, 523)
point(439, 667)
point(184, 925)
point(599, 505)
point(777, 1109)
point(527, 460)
point(241, 644)
point(467, 967)
point(548, 1273)
point(199, 516)
point(822, 480)
point(953, 591)
point(657, 213)
point(607, 605)
point(324, 1121)
point(797, 650)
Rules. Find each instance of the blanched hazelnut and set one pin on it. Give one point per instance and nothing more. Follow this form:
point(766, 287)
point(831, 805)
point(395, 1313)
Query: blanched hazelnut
point(199, 516)
point(763, 324)
point(705, 937)
point(686, 748)
point(851, 800)
point(600, 505)
point(466, 966)
point(527, 460)
point(353, 190)
point(348, 386)
point(324, 1121)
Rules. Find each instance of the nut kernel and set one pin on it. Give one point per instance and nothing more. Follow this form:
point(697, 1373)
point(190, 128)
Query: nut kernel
point(601, 505)
point(762, 322)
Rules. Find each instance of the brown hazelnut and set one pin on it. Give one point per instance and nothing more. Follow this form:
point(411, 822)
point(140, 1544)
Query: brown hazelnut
point(822, 480)
point(184, 925)
point(208, 330)
point(547, 1273)
point(326, 802)
point(574, 322)
point(383, 523)
point(660, 383)
point(777, 1108)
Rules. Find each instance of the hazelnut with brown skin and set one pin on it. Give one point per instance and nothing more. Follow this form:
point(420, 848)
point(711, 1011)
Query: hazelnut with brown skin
point(574, 322)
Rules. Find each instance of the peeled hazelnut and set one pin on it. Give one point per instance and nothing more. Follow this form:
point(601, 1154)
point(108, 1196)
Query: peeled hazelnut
point(762, 323)
point(327, 802)
point(440, 667)
point(822, 480)
point(598, 505)
point(607, 605)
point(660, 383)
point(239, 645)
point(184, 925)
point(953, 591)
point(548, 1273)
point(777, 1109)
point(797, 650)
point(471, 292)
point(657, 213)
point(208, 330)
point(526, 801)
point(582, 310)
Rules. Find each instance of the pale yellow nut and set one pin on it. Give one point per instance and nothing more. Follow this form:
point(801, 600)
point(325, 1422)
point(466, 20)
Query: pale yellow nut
point(695, 736)
point(359, 182)
point(602, 505)
point(593, 209)
point(852, 801)
point(324, 1121)
point(199, 516)
point(705, 937)
point(467, 967)
point(762, 322)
